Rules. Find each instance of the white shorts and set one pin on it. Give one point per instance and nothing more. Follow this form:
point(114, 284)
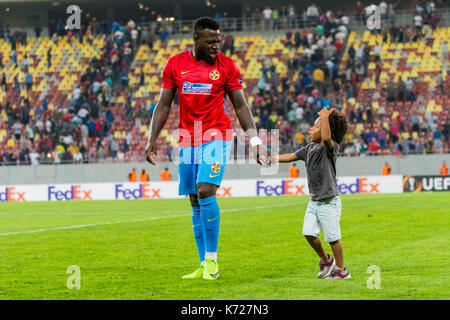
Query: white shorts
point(323, 215)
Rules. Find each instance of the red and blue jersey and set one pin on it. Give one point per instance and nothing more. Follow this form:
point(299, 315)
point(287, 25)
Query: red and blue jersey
point(202, 90)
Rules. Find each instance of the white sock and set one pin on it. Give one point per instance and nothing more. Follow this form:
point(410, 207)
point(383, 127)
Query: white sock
point(343, 270)
point(212, 255)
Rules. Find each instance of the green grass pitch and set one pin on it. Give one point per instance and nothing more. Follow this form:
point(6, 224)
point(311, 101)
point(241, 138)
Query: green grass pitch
point(140, 249)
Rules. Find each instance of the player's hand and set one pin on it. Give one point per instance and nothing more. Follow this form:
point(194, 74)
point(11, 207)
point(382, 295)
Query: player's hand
point(325, 112)
point(263, 155)
point(150, 152)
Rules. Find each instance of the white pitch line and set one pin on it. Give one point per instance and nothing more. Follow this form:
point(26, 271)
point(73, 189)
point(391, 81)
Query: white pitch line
point(135, 220)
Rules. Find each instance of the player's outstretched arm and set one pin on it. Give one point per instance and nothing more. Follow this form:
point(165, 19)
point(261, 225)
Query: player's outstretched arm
point(159, 118)
point(288, 157)
point(247, 123)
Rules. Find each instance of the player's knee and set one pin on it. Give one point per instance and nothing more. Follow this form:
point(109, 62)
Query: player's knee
point(206, 190)
point(310, 238)
point(194, 200)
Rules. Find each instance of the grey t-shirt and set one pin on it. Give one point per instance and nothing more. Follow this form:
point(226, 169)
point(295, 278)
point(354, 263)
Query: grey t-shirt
point(321, 169)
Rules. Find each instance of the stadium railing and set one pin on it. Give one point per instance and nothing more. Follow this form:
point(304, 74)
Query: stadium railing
point(258, 24)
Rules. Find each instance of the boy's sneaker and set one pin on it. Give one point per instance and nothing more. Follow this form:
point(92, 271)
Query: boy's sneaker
point(211, 271)
point(338, 274)
point(197, 274)
point(326, 266)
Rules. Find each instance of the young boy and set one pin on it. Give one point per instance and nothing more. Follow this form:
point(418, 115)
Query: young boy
point(324, 208)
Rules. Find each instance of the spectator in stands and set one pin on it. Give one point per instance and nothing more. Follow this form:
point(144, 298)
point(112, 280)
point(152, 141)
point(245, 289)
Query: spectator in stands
point(291, 16)
point(124, 81)
point(4, 85)
point(120, 156)
point(34, 157)
point(437, 135)
point(101, 154)
point(312, 15)
point(163, 36)
point(77, 157)
point(275, 18)
point(37, 31)
point(114, 148)
point(267, 13)
point(429, 146)
point(67, 157)
point(359, 9)
point(418, 21)
point(25, 62)
point(373, 147)
point(29, 80)
point(16, 83)
point(49, 57)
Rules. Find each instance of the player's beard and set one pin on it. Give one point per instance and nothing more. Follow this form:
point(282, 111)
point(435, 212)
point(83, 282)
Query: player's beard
point(202, 55)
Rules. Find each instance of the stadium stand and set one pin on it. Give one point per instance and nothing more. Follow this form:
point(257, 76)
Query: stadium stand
point(92, 94)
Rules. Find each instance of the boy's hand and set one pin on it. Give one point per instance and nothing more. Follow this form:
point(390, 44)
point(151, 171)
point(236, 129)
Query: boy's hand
point(276, 158)
point(325, 112)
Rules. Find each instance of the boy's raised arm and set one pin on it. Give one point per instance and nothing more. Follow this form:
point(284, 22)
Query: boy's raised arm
point(325, 130)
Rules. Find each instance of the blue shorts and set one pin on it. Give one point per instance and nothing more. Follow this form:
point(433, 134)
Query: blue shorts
point(203, 163)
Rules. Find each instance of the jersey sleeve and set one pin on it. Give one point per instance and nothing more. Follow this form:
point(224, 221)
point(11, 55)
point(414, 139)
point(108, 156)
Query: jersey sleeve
point(334, 151)
point(301, 154)
point(168, 76)
point(234, 81)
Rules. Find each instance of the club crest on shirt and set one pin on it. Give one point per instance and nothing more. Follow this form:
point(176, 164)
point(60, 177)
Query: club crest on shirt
point(214, 74)
point(215, 167)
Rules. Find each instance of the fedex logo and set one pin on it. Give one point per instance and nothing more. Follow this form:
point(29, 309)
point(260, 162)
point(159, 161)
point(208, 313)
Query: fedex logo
point(142, 192)
point(74, 193)
point(360, 186)
point(285, 188)
point(11, 195)
point(196, 88)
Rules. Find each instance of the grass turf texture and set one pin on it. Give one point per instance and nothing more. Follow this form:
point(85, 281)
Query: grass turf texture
point(141, 249)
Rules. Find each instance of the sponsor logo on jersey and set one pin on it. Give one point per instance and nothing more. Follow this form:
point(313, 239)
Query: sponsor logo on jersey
point(197, 88)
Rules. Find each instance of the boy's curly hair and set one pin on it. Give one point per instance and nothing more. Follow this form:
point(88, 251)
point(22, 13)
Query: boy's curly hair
point(338, 126)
